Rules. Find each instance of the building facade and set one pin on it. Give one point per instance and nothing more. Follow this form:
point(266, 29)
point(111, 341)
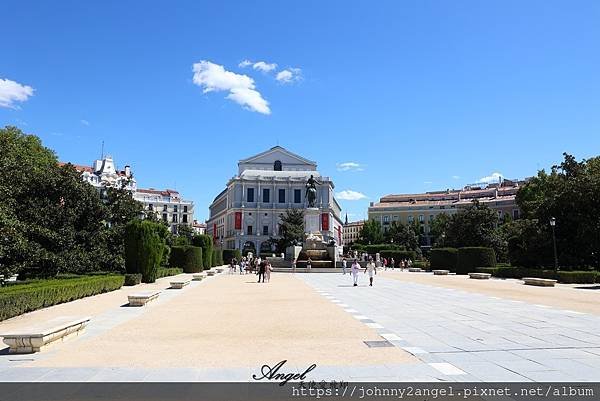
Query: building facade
point(199, 228)
point(351, 231)
point(247, 213)
point(423, 208)
point(167, 205)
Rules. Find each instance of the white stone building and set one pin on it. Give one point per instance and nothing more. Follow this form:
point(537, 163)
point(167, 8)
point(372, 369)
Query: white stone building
point(103, 173)
point(246, 214)
point(168, 206)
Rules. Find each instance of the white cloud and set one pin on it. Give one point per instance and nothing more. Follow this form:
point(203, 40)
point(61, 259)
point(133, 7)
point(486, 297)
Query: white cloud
point(259, 65)
point(350, 166)
point(427, 182)
point(456, 177)
point(11, 92)
point(289, 75)
point(493, 178)
point(264, 67)
point(350, 195)
point(85, 122)
point(213, 77)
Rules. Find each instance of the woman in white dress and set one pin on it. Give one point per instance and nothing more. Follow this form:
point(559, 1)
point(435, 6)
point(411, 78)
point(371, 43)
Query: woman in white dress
point(355, 268)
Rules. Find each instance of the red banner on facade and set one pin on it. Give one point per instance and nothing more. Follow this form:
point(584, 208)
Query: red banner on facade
point(238, 220)
point(325, 221)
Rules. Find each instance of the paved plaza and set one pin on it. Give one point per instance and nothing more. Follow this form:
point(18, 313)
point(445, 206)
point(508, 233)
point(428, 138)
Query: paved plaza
point(408, 327)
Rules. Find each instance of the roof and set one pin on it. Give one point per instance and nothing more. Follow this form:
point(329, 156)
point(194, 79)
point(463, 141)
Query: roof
point(152, 191)
point(278, 174)
point(77, 167)
point(276, 148)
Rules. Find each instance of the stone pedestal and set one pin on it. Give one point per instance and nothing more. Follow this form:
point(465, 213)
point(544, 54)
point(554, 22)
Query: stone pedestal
point(312, 223)
point(292, 252)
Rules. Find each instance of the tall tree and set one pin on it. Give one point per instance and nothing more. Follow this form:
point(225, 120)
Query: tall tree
point(371, 233)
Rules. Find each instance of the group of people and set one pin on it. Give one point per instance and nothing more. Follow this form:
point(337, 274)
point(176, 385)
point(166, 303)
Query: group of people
point(262, 267)
point(372, 266)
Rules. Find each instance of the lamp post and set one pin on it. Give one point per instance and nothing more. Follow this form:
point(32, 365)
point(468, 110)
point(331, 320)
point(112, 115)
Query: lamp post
point(553, 224)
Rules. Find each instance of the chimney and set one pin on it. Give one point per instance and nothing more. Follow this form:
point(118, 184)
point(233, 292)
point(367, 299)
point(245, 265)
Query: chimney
point(127, 171)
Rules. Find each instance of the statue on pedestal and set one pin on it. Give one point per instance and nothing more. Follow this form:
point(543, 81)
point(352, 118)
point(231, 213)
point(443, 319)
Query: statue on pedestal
point(311, 191)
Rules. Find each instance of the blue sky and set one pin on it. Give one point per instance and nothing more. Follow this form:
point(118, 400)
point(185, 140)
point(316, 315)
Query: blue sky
point(421, 95)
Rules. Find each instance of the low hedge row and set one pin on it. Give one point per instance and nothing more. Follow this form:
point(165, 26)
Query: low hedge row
point(168, 271)
point(443, 258)
point(16, 300)
point(133, 279)
point(566, 277)
point(398, 255)
point(470, 258)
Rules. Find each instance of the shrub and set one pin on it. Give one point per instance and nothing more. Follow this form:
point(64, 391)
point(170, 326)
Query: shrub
point(567, 277)
point(491, 270)
point(219, 257)
point(469, 258)
point(144, 248)
point(378, 248)
point(398, 255)
point(444, 258)
point(229, 254)
point(577, 277)
point(132, 279)
point(206, 243)
point(188, 257)
point(213, 261)
point(168, 271)
point(16, 300)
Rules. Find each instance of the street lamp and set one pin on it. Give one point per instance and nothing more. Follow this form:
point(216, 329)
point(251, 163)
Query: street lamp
point(553, 224)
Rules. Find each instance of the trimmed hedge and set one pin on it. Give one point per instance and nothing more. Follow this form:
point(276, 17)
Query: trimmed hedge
point(470, 258)
point(567, 277)
point(132, 279)
point(188, 257)
point(229, 254)
point(444, 258)
point(378, 248)
point(491, 270)
point(16, 300)
point(398, 255)
point(206, 243)
point(168, 271)
point(144, 248)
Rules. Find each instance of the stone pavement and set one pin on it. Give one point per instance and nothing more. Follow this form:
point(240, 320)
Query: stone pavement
point(472, 337)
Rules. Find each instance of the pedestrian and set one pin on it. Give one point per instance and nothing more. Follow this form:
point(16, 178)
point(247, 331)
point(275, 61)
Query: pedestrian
point(242, 266)
point(392, 263)
point(268, 270)
point(385, 262)
point(372, 269)
point(355, 268)
point(261, 271)
point(343, 265)
point(294, 261)
point(309, 264)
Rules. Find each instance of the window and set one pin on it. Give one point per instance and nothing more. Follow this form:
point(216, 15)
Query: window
point(277, 166)
point(499, 214)
point(411, 218)
point(164, 208)
point(174, 218)
point(151, 207)
point(165, 217)
point(266, 195)
point(250, 195)
point(265, 230)
point(185, 209)
point(282, 196)
point(421, 218)
point(386, 219)
point(174, 208)
point(297, 196)
point(249, 231)
point(184, 218)
point(516, 214)
point(431, 217)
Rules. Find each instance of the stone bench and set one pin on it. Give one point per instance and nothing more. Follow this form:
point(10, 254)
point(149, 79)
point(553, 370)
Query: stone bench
point(142, 298)
point(220, 270)
point(198, 276)
point(441, 272)
point(415, 270)
point(177, 285)
point(36, 339)
point(480, 276)
point(211, 273)
point(540, 282)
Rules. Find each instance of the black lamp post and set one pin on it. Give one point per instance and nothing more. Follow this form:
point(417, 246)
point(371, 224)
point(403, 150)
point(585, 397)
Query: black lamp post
point(553, 224)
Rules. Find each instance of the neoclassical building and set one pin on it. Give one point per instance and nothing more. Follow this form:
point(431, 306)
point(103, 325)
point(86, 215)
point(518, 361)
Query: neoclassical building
point(246, 214)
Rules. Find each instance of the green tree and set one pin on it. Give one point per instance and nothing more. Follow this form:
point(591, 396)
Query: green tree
point(402, 235)
point(206, 243)
point(371, 233)
point(144, 249)
point(291, 230)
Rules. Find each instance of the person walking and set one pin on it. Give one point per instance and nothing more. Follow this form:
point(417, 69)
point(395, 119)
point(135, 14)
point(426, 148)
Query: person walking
point(268, 270)
point(392, 263)
point(343, 265)
point(355, 268)
point(309, 264)
point(372, 269)
point(242, 266)
point(261, 271)
point(294, 261)
point(385, 262)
